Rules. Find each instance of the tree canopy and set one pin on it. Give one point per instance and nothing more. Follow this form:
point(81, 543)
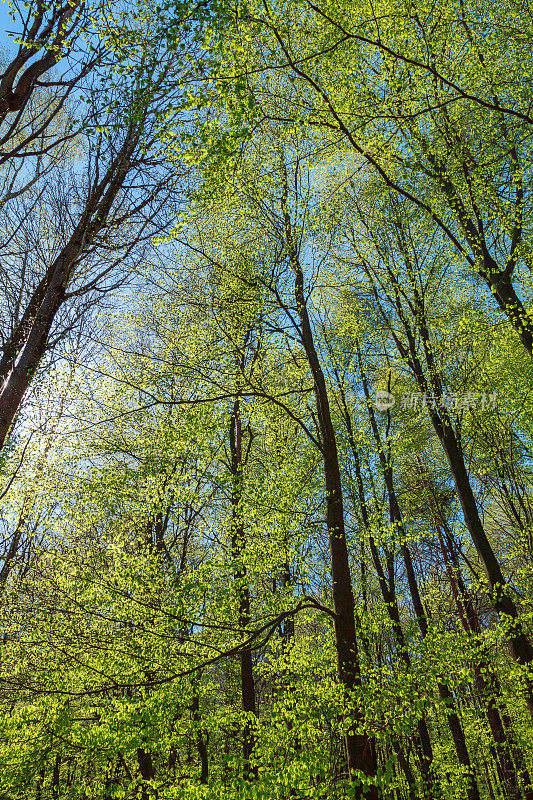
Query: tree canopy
point(266, 450)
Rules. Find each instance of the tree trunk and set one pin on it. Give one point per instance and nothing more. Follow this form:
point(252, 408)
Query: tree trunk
point(55, 776)
point(200, 741)
point(360, 749)
point(445, 694)
point(425, 750)
point(32, 339)
point(146, 768)
point(396, 519)
point(21, 376)
point(243, 592)
point(521, 648)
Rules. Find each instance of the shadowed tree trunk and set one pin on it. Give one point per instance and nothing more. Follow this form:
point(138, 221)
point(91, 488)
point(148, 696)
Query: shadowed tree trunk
point(146, 768)
point(487, 683)
point(56, 776)
point(200, 739)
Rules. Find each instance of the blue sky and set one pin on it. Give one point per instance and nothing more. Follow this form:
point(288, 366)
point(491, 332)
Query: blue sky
point(6, 23)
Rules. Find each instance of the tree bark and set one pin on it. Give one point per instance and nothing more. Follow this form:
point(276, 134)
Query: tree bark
point(146, 768)
point(243, 592)
point(360, 748)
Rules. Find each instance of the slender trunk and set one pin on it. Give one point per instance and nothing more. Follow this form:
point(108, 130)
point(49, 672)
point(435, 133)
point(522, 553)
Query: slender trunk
point(396, 520)
point(445, 694)
point(406, 769)
point(237, 550)
point(286, 677)
point(389, 599)
point(425, 749)
point(39, 785)
point(360, 748)
point(503, 290)
point(521, 648)
point(55, 776)
point(32, 340)
point(12, 552)
point(200, 740)
point(21, 376)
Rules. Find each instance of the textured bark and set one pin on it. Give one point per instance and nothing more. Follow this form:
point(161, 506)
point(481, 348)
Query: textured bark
point(21, 376)
point(20, 333)
point(511, 305)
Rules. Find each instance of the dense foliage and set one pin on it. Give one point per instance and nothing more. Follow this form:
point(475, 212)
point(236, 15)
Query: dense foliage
point(266, 439)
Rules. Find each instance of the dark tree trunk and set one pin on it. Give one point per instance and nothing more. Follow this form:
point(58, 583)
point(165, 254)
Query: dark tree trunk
point(200, 740)
point(27, 346)
point(396, 519)
point(521, 648)
point(39, 785)
point(12, 551)
point(286, 677)
point(445, 694)
point(360, 749)
point(237, 550)
point(425, 750)
point(21, 376)
point(56, 776)
point(22, 329)
point(146, 768)
point(407, 771)
point(503, 290)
